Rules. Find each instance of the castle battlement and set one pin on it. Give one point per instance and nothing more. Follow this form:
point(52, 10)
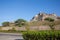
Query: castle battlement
point(42, 16)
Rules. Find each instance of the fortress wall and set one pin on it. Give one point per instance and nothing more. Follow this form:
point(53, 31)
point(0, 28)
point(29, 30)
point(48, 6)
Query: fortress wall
point(57, 27)
point(31, 28)
point(6, 28)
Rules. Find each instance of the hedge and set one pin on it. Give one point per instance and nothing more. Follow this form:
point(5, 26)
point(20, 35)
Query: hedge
point(41, 35)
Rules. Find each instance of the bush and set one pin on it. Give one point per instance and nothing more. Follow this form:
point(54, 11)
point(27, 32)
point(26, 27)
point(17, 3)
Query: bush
point(49, 19)
point(5, 24)
point(12, 30)
point(42, 35)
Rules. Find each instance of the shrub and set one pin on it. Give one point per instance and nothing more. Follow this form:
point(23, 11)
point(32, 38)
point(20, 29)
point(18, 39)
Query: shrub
point(49, 19)
point(42, 35)
point(5, 24)
point(12, 30)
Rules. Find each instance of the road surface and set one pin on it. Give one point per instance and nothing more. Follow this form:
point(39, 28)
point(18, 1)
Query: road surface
point(11, 36)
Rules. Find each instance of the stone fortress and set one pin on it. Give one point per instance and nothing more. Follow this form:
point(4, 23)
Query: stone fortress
point(42, 16)
point(38, 17)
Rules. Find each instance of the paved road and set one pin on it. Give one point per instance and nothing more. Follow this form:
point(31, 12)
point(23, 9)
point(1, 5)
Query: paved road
point(11, 36)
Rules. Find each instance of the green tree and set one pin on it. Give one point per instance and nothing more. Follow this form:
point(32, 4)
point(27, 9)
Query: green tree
point(5, 24)
point(20, 22)
point(49, 19)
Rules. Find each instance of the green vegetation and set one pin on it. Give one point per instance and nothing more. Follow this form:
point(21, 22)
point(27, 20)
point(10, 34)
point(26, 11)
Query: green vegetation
point(20, 22)
point(11, 31)
point(41, 35)
point(49, 19)
point(5, 24)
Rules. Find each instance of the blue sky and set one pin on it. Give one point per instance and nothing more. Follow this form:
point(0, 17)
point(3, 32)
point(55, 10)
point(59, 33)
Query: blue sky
point(11, 10)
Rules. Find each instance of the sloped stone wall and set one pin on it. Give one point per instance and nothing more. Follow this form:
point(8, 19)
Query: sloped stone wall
point(57, 27)
point(6, 28)
point(31, 28)
point(40, 28)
